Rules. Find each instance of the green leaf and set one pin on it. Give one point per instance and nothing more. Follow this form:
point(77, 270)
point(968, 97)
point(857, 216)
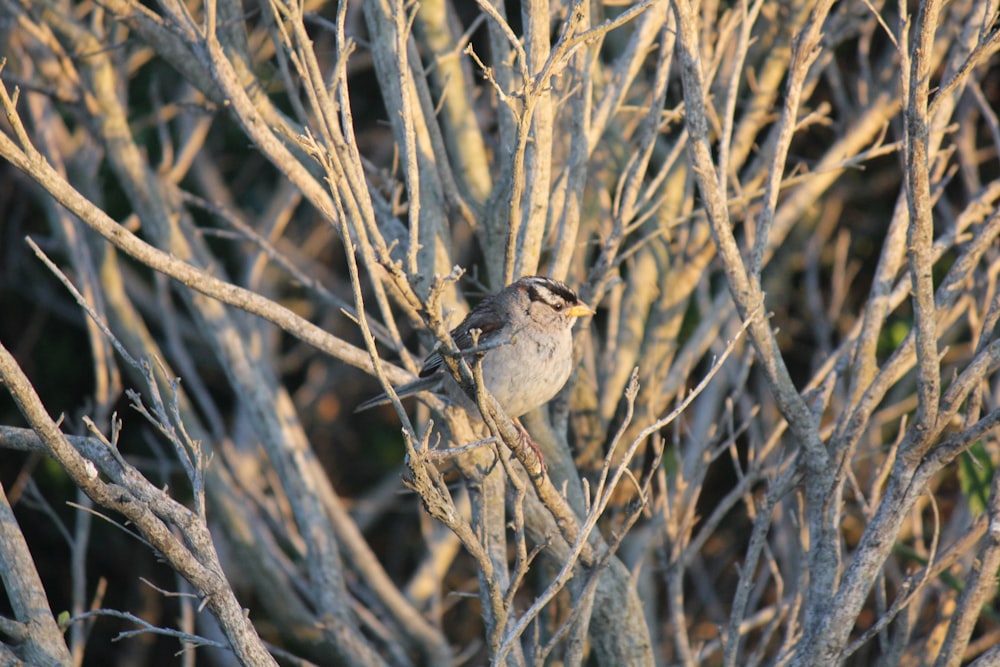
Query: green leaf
point(975, 470)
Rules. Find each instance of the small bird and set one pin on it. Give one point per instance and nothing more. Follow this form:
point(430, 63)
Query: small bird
point(525, 332)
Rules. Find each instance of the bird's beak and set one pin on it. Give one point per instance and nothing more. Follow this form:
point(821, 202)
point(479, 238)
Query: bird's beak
point(579, 310)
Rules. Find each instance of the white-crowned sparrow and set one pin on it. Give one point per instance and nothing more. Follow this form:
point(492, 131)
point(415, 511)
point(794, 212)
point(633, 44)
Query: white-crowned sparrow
point(527, 343)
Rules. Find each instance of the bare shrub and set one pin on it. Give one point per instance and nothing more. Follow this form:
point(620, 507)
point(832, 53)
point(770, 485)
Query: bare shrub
point(226, 225)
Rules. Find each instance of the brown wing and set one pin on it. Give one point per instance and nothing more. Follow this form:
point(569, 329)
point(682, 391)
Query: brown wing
point(485, 317)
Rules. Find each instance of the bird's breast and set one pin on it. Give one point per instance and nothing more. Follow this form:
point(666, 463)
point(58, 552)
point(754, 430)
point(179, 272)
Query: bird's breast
point(528, 372)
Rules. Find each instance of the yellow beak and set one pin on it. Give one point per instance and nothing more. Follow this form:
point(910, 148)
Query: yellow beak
point(580, 310)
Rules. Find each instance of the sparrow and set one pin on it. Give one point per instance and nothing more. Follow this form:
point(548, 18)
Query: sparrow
point(525, 344)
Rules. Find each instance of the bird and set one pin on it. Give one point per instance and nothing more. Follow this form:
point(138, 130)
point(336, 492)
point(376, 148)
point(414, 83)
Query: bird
point(525, 342)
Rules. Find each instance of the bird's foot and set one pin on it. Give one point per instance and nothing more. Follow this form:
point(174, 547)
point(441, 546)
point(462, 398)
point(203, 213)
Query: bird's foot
point(526, 440)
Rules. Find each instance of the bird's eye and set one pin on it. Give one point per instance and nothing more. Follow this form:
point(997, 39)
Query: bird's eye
point(558, 307)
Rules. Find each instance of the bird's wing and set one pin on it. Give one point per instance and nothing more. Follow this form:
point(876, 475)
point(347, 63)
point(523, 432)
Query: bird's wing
point(483, 317)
